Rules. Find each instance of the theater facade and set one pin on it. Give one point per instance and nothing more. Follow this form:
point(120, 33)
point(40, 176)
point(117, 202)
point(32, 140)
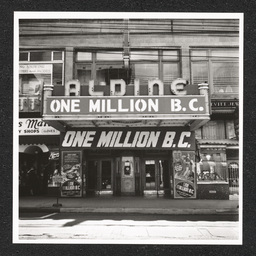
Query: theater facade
point(125, 144)
point(132, 100)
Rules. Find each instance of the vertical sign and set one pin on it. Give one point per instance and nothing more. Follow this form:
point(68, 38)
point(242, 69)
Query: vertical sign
point(184, 174)
point(71, 172)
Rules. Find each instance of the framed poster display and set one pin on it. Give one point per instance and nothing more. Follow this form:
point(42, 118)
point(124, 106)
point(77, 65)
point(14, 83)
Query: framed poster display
point(184, 174)
point(71, 172)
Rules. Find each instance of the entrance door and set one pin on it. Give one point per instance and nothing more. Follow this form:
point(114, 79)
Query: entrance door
point(157, 176)
point(99, 176)
point(106, 176)
point(91, 179)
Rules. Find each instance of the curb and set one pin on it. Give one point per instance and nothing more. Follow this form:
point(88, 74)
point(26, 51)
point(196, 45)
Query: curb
point(39, 209)
point(129, 210)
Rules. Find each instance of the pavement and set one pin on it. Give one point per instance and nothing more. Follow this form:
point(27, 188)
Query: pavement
point(126, 204)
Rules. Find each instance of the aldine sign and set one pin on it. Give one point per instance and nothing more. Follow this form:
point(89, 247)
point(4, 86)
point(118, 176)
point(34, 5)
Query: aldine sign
point(126, 105)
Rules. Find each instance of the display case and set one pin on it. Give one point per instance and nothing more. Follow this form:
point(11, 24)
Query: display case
point(212, 182)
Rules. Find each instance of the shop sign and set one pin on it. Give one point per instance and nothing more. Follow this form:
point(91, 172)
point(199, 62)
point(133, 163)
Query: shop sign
point(35, 69)
point(218, 104)
point(166, 138)
point(35, 126)
point(71, 173)
point(135, 105)
point(184, 174)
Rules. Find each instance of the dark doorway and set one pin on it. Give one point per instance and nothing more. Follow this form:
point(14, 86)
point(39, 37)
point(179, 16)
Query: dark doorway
point(91, 181)
point(106, 175)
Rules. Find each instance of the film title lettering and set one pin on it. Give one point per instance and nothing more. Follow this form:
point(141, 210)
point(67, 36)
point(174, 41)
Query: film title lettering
point(140, 105)
point(128, 139)
point(63, 105)
point(135, 105)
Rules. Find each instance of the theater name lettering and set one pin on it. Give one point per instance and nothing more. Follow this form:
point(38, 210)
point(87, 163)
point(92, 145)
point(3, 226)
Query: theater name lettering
point(118, 103)
point(132, 138)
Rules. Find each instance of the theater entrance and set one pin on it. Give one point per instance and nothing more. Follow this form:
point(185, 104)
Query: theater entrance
point(124, 174)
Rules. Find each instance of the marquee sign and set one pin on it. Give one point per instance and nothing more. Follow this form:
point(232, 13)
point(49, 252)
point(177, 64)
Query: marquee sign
point(128, 105)
point(165, 138)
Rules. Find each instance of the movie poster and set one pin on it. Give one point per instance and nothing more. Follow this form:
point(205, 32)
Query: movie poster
point(71, 172)
point(184, 174)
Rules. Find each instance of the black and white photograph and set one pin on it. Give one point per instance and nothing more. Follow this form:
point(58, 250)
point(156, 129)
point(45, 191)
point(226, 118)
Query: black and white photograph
point(128, 128)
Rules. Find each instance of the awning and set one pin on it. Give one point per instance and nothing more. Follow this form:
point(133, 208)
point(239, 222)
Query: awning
point(33, 148)
point(49, 140)
point(225, 143)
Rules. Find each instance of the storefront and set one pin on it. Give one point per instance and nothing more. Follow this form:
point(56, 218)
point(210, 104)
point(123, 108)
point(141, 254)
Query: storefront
point(218, 170)
point(38, 143)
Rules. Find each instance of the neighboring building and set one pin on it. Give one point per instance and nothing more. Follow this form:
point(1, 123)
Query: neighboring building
point(142, 106)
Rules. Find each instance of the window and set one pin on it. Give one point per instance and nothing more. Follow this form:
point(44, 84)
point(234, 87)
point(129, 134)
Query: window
point(214, 130)
point(161, 64)
point(217, 130)
point(40, 67)
point(212, 166)
point(102, 66)
point(219, 67)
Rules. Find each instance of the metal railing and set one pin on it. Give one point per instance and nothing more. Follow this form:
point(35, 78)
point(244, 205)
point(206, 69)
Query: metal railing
point(233, 178)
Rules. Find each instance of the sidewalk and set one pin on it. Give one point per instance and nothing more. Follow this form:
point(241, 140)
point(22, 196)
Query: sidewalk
point(145, 205)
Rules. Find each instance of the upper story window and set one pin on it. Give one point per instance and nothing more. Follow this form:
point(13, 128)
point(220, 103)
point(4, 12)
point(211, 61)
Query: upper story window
point(217, 66)
point(102, 66)
point(217, 130)
point(40, 67)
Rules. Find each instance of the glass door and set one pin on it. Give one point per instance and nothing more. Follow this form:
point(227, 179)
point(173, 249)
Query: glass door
point(106, 175)
point(99, 176)
point(150, 172)
point(157, 176)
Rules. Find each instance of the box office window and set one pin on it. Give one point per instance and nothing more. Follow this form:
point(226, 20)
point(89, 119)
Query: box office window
point(102, 66)
point(219, 67)
point(40, 67)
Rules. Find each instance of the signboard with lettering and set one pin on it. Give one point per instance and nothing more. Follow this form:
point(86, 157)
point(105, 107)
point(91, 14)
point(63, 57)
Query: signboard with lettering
point(35, 69)
point(166, 138)
point(217, 104)
point(35, 126)
point(111, 106)
point(184, 174)
point(71, 172)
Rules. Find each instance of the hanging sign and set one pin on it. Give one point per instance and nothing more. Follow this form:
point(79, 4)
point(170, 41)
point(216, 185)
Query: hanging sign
point(184, 174)
point(166, 138)
point(71, 172)
point(35, 126)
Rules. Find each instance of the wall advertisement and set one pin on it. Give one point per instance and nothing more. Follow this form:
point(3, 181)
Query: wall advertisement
point(71, 172)
point(184, 174)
